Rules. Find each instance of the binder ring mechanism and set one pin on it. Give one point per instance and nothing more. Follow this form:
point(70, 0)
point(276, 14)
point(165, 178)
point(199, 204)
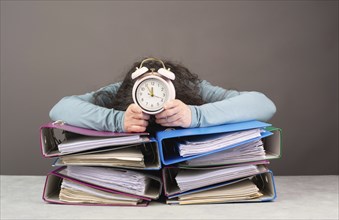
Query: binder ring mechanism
point(59, 122)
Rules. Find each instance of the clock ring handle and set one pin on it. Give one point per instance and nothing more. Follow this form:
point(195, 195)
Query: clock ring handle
point(154, 59)
point(162, 71)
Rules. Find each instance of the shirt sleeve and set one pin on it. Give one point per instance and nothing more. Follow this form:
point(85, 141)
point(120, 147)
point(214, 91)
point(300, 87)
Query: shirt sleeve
point(230, 106)
point(79, 110)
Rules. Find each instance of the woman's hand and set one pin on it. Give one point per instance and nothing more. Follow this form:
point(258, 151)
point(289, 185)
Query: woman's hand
point(176, 114)
point(134, 119)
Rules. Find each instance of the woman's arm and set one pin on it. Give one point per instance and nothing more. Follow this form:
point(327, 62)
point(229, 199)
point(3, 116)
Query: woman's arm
point(80, 111)
point(229, 106)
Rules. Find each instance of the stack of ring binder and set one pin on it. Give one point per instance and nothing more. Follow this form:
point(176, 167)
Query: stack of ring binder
point(99, 168)
point(218, 164)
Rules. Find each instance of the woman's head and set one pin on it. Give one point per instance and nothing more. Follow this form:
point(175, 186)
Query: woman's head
point(185, 83)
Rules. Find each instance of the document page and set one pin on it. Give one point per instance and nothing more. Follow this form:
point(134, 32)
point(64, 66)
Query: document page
point(72, 192)
point(243, 190)
point(130, 156)
point(117, 179)
point(83, 143)
point(243, 153)
point(207, 143)
point(188, 179)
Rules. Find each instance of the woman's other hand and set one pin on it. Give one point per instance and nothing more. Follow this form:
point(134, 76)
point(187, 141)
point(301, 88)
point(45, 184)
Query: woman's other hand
point(135, 120)
point(175, 114)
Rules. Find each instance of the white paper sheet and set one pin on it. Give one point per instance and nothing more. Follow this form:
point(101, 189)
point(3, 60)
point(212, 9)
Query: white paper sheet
point(118, 179)
point(246, 152)
point(87, 143)
point(207, 143)
point(188, 179)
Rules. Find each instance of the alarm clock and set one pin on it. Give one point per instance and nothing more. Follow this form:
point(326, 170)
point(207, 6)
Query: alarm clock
point(152, 89)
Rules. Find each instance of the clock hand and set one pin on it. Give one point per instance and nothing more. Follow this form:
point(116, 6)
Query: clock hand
point(151, 91)
point(154, 95)
point(148, 88)
point(157, 96)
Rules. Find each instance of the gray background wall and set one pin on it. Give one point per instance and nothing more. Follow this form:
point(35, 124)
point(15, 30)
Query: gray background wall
point(285, 49)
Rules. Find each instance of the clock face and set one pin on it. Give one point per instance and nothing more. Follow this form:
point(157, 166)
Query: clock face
point(151, 94)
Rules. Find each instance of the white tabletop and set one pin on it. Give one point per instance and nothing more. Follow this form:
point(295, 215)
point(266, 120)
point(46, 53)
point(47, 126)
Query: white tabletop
point(299, 197)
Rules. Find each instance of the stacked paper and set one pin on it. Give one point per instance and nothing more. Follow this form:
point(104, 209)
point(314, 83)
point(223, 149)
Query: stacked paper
point(74, 193)
point(192, 179)
point(240, 191)
point(96, 166)
point(252, 151)
point(132, 157)
point(83, 143)
point(116, 179)
point(219, 164)
point(203, 144)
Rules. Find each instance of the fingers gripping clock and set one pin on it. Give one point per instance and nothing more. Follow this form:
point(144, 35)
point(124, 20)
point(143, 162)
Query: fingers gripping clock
point(152, 89)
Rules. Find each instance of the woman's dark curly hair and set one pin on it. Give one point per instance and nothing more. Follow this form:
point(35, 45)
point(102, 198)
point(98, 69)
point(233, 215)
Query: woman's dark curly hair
point(185, 83)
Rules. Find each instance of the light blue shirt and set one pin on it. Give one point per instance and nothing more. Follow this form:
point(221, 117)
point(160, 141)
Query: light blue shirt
point(222, 106)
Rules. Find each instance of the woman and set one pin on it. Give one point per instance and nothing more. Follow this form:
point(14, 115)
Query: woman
point(197, 104)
